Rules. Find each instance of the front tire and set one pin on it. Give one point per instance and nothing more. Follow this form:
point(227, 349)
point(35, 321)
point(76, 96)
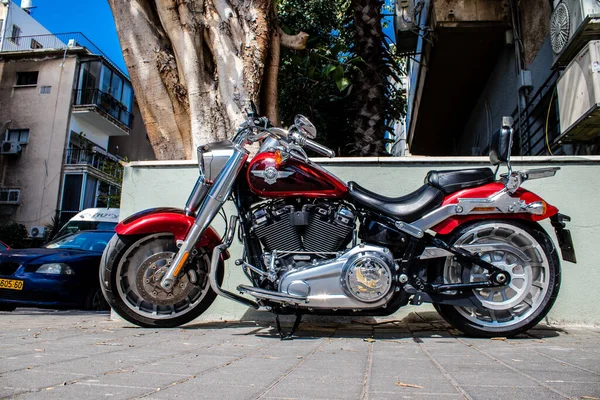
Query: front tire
point(533, 262)
point(130, 273)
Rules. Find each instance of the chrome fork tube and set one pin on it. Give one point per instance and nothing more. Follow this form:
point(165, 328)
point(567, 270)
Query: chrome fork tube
point(211, 205)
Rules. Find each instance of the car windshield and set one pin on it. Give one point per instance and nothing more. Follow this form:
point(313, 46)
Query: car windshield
point(76, 226)
point(3, 246)
point(90, 240)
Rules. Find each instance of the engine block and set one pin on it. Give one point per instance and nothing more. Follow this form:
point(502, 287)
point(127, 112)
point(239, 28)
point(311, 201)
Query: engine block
point(321, 227)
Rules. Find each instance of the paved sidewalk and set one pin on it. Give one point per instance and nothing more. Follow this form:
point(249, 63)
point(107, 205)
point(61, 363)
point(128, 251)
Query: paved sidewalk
point(77, 355)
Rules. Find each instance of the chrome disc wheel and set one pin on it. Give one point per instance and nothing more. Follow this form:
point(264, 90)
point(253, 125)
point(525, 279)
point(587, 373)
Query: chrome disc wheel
point(141, 270)
point(526, 261)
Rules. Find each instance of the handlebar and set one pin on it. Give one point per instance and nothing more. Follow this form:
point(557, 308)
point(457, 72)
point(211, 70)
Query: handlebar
point(319, 148)
point(264, 128)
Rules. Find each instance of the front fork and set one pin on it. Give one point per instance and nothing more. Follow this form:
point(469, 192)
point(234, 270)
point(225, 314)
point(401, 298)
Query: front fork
point(212, 204)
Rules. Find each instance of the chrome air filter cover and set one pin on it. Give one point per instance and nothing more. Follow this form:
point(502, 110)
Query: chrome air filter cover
point(367, 276)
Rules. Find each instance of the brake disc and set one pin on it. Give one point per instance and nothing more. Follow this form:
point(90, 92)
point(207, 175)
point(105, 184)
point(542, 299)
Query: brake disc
point(151, 272)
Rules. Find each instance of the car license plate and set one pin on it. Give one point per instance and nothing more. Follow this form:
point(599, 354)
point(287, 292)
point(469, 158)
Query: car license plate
point(11, 284)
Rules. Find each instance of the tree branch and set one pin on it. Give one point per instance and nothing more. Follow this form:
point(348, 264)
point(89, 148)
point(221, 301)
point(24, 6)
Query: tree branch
point(294, 42)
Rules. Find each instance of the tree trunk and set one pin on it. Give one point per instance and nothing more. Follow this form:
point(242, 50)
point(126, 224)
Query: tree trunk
point(194, 65)
point(370, 90)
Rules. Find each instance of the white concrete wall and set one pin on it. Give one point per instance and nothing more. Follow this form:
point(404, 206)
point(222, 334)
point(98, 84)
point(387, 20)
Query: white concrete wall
point(90, 132)
point(574, 191)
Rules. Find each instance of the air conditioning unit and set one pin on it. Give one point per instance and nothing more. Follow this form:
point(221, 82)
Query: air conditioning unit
point(10, 196)
point(578, 90)
point(406, 27)
point(9, 147)
point(37, 231)
point(573, 23)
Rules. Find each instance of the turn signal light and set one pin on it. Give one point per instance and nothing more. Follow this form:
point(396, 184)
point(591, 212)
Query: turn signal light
point(278, 158)
point(537, 208)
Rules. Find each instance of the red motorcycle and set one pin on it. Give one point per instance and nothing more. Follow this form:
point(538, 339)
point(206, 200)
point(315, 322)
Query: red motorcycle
point(467, 241)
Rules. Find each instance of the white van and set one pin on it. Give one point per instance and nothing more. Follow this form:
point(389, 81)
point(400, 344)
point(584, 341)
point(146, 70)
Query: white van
point(95, 219)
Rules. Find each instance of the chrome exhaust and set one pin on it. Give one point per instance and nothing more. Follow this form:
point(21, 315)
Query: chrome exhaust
point(214, 267)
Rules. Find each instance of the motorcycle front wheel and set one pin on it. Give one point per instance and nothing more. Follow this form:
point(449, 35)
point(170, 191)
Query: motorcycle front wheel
point(130, 273)
point(527, 252)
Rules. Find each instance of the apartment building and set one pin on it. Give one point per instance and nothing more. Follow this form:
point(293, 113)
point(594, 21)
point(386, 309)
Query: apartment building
point(62, 101)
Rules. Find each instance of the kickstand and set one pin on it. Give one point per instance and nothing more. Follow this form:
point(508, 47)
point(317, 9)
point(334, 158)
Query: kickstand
point(289, 336)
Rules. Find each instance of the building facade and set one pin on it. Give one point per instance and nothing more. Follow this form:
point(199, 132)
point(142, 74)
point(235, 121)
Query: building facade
point(61, 103)
point(474, 61)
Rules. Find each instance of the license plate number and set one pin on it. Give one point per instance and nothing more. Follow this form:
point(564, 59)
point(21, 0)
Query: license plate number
point(11, 284)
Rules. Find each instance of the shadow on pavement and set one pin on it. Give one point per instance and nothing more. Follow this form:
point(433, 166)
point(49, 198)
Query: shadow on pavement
point(414, 326)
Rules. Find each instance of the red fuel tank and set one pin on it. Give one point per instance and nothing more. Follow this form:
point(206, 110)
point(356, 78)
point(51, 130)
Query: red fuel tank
point(292, 177)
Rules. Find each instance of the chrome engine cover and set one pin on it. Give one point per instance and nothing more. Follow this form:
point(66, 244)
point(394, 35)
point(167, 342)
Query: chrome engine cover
point(359, 279)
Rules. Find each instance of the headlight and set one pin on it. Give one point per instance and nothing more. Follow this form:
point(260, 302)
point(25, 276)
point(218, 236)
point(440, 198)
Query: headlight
point(55, 269)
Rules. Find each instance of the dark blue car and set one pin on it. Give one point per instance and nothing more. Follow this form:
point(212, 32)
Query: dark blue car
point(62, 274)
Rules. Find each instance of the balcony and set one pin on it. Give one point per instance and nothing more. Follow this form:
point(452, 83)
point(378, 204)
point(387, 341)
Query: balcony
point(96, 162)
point(54, 42)
point(102, 110)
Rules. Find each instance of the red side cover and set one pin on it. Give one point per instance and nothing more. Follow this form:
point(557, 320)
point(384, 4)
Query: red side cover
point(483, 192)
point(171, 220)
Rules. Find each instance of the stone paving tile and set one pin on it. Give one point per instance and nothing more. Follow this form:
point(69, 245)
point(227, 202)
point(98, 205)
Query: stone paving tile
point(511, 392)
point(99, 359)
point(577, 390)
point(417, 396)
point(87, 391)
point(291, 387)
point(211, 391)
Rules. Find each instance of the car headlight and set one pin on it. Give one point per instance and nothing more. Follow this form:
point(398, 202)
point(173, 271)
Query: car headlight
point(55, 269)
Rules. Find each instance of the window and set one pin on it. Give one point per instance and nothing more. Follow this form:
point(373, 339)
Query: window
point(35, 44)
point(17, 135)
point(16, 33)
point(45, 89)
point(27, 78)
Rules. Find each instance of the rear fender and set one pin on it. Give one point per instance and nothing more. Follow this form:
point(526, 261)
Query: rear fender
point(452, 222)
point(172, 220)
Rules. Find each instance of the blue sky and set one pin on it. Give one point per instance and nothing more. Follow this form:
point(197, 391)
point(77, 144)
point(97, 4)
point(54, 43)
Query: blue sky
point(91, 17)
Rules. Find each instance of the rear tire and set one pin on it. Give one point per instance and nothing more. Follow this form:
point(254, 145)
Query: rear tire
point(516, 308)
point(130, 272)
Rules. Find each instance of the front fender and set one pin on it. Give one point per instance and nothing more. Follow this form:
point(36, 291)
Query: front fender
point(172, 220)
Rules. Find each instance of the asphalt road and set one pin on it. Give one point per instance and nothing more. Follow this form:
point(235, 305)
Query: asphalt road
point(78, 355)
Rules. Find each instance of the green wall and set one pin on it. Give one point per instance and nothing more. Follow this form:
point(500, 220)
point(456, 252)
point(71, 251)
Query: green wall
point(574, 191)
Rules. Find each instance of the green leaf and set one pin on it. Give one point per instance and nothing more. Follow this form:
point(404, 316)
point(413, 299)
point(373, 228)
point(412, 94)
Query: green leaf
point(338, 74)
point(342, 84)
point(329, 69)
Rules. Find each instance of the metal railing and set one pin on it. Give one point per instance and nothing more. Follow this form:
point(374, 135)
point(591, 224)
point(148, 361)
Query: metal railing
point(59, 41)
point(530, 125)
point(105, 163)
point(105, 102)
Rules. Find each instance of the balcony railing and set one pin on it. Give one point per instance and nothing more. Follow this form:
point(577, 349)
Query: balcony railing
point(105, 102)
point(59, 41)
point(97, 159)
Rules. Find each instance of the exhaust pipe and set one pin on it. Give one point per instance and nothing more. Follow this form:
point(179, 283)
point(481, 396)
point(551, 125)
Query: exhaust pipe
point(214, 267)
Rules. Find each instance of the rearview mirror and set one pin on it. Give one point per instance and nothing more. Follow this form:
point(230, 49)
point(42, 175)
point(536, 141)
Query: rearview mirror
point(501, 143)
point(304, 125)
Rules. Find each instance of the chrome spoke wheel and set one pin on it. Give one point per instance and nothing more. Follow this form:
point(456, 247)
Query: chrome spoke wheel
point(522, 256)
point(141, 269)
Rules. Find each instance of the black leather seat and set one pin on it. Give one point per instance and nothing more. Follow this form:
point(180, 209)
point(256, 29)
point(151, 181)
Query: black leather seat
point(453, 181)
point(406, 208)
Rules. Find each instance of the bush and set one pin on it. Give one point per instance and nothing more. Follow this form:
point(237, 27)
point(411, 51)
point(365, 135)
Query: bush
point(13, 234)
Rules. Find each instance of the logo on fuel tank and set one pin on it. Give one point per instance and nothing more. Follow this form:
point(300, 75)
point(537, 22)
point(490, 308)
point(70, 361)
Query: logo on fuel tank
point(270, 174)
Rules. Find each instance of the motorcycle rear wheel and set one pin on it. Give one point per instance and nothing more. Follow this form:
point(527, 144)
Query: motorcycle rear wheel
point(130, 272)
point(508, 310)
